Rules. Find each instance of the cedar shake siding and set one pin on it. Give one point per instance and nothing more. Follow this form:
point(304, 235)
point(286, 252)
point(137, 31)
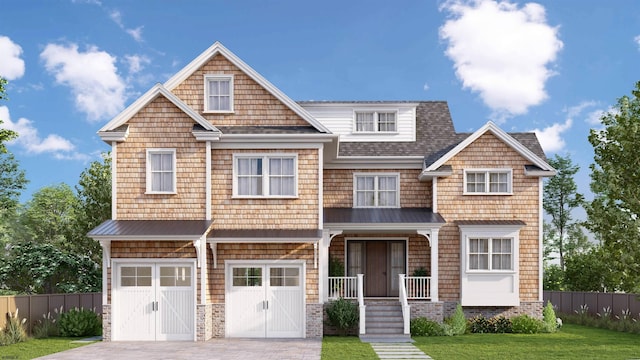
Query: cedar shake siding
point(523, 204)
point(253, 105)
point(160, 124)
point(338, 188)
point(265, 213)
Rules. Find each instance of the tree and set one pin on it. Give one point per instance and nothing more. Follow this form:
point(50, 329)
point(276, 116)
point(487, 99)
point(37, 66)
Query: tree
point(5, 134)
point(92, 208)
point(615, 175)
point(12, 182)
point(561, 197)
point(590, 271)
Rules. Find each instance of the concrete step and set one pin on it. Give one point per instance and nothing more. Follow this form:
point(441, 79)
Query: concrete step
point(398, 351)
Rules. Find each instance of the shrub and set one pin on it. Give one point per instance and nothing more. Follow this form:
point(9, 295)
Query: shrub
point(47, 326)
point(495, 325)
point(424, 327)
point(549, 318)
point(14, 331)
point(479, 325)
point(525, 324)
point(501, 325)
point(457, 322)
point(80, 322)
point(343, 314)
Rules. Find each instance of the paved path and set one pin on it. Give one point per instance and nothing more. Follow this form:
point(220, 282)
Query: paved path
point(227, 349)
point(397, 351)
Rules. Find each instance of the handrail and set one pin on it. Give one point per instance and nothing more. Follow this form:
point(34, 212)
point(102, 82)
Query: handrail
point(361, 304)
point(406, 310)
point(418, 287)
point(343, 287)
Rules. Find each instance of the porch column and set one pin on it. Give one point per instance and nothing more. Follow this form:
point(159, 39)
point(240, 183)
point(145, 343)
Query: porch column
point(433, 242)
point(323, 269)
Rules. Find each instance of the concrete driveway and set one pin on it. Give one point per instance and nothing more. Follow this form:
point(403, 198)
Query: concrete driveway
point(227, 349)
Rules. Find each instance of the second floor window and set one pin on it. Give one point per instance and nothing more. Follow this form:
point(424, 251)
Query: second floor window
point(376, 190)
point(218, 93)
point(497, 182)
point(161, 171)
point(375, 121)
point(265, 176)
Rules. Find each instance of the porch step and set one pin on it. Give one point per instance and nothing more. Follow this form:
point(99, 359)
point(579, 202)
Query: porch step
point(384, 318)
point(398, 351)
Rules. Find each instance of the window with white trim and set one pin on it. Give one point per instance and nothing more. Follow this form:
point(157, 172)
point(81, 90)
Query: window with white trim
point(481, 181)
point(218, 94)
point(490, 254)
point(375, 121)
point(376, 190)
point(265, 176)
point(161, 171)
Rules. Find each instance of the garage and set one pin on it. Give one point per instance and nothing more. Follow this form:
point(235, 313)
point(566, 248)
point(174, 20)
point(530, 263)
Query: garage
point(265, 300)
point(153, 301)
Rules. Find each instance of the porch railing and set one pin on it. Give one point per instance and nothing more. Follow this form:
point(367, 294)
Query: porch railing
point(417, 287)
point(361, 305)
point(406, 309)
point(343, 287)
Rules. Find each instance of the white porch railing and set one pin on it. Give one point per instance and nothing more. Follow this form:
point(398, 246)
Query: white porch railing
point(343, 287)
point(406, 309)
point(418, 287)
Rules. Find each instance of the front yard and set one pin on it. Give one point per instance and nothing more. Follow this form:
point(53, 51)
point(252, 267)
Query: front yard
point(34, 348)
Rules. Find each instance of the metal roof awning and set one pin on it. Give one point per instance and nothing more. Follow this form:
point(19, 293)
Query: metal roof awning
point(262, 235)
point(186, 230)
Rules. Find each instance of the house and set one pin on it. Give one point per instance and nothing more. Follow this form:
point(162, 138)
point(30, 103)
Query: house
point(231, 201)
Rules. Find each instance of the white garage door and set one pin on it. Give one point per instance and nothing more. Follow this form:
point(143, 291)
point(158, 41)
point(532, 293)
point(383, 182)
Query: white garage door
point(265, 301)
point(153, 301)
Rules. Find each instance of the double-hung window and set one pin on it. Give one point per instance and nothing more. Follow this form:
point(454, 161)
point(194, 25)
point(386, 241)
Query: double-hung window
point(491, 181)
point(376, 190)
point(375, 121)
point(490, 254)
point(265, 175)
point(161, 171)
point(218, 94)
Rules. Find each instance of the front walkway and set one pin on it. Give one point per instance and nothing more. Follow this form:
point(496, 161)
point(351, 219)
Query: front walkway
point(227, 349)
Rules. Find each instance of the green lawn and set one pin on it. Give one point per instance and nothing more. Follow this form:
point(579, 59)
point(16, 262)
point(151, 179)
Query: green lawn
point(571, 342)
point(33, 348)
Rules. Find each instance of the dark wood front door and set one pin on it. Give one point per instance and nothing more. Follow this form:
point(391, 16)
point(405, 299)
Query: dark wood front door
point(380, 261)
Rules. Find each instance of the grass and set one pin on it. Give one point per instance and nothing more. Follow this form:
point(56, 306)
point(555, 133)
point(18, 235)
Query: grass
point(346, 347)
point(571, 342)
point(34, 348)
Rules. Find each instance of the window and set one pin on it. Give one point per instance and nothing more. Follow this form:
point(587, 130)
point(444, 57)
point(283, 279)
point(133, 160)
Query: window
point(175, 276)
point(218, 93)
point(247, 276)
point(265, 176)
point(375, 121)
point(135, 276)
point(487, 182)
point(490, 254)
point(284, 276)
point(376, 190)
point(161, 171)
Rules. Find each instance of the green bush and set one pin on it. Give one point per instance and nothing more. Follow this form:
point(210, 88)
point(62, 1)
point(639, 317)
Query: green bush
point(424, 327)
point(501, 324)
point(525, 324)
point(80, 322)
point(457, 322)
point(479, 325)
point(495, 325)
point(549, 318)
point(343, 314)
point(14, 331)
point(47, 326)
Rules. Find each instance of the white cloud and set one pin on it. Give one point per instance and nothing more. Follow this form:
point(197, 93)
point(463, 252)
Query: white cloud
point(136, 33)
point(637, 40)
point(551, 137)
point(501, 51)
point(92, 76)
point(11, 65)
point(136, 62)
point(425, 87)
point(30, 140)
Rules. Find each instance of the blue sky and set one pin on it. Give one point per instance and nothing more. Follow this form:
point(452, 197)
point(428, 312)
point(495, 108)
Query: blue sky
point(549, 66)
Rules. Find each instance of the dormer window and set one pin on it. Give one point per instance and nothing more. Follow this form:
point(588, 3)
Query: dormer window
point(218, 94)
point(375, 121)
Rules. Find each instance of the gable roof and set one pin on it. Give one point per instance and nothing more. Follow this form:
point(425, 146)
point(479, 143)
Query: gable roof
point(218, 49)
point(510, 140)
point(156, 91)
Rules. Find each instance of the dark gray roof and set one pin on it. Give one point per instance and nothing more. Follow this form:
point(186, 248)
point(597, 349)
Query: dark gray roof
point(490, 222)
point(381, 215)
point(268, 130)
point(151, 229)
point(266, 235)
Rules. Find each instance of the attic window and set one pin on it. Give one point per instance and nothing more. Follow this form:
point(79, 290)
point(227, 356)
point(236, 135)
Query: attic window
point(218, 94)
point(375, 121)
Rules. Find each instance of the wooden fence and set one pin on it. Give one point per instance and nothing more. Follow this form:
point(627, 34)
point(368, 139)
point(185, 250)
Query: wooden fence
point(571, 301)
point(33, 307)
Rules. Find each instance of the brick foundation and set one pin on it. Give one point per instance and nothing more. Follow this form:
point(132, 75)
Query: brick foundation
point(430, 310)
point(314, 320)
point(217, 320)
point(204, 322)
point(531, 308)
point(106, 322)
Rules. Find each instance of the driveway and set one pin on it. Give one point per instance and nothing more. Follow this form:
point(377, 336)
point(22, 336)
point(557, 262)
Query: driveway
point(227, 349)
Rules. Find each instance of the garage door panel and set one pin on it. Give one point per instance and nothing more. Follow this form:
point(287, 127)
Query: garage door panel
point(175, 309)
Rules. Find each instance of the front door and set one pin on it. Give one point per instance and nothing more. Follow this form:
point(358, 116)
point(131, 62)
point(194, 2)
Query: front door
point(153, 301)
point(381, 261)
point(265, 301)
